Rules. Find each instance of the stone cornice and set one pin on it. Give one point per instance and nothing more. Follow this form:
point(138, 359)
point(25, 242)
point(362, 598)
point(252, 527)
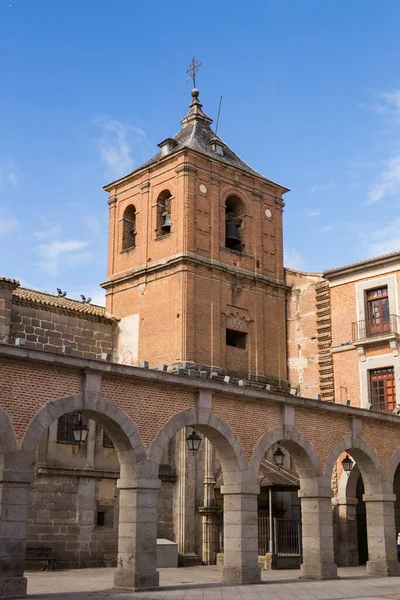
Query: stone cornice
point(378, 262)
point(199, 261)
point(186, 152)
point(195, 384)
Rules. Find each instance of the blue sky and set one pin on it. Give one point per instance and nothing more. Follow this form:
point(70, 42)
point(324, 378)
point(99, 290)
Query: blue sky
point(311, 99)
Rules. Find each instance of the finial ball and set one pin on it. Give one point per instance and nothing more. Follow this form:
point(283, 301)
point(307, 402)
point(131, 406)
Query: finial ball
point(195, 93)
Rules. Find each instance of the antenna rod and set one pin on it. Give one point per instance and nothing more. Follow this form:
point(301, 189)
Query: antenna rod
point(219, 111)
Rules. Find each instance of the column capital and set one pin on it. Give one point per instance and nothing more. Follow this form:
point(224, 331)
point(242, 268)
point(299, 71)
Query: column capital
point(139, 485)
point(240, 490)
point(313, 496)
point(16, 478)
point(379, 497)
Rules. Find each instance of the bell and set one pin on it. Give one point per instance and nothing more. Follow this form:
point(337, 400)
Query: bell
point(166, 226)
point(231, 233)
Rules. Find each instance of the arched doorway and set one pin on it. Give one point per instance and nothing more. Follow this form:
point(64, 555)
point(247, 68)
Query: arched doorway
point(365, 489)
point(239, 491)
point(138, 485)
point(315, 495)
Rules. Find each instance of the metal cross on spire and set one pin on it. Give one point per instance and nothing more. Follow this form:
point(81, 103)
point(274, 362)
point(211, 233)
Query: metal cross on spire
point(192, 70)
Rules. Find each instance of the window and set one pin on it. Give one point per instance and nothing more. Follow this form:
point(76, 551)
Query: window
point(378, 316)
point(236, 338)
point(383, 389)
point(164, 222)
point(101, 518)
point(129, 228)
point(107, 441)
point(104, 515)
point(234, 209)
point(65, 425)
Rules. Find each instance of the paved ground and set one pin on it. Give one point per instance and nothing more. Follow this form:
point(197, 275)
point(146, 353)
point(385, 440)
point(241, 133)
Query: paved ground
point(201, 583)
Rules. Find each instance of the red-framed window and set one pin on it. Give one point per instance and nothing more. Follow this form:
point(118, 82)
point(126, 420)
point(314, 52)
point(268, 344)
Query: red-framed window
point(383, 389)
point(378, 314)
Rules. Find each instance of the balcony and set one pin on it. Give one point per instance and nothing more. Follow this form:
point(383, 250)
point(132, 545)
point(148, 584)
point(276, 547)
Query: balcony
point(376, 329)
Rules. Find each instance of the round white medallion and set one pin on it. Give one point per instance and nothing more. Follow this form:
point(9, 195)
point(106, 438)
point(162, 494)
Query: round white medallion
point(203, 188)
point(268, 213)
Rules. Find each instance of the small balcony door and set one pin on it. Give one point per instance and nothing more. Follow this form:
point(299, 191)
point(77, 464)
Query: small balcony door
point(378, 315)
point(383, 389)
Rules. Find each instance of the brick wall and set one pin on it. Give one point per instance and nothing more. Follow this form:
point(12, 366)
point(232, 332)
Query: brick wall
point(183, 303)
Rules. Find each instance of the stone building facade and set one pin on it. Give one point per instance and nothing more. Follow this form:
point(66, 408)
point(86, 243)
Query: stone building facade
point(343, 342)
point(249, 355)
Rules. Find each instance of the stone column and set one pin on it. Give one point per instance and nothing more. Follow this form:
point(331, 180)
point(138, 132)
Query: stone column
point(86, 513)
point(381, 531)
point(185, 501)
point(137, 535)
point(347, 550)
point(240, 534)
point(209, 511)
point(317, 537)
point(14, 506)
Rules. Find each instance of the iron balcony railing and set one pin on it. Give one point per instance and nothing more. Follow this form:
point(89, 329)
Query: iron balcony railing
point(375, 327)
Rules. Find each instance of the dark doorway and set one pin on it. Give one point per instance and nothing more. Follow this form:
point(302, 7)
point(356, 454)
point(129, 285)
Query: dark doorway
point(361, 524)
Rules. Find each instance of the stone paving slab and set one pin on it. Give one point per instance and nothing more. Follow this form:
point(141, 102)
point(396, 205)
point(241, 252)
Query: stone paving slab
point(201, 583)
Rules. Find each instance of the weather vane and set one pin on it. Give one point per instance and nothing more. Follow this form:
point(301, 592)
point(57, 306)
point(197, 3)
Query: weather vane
point(192, 70)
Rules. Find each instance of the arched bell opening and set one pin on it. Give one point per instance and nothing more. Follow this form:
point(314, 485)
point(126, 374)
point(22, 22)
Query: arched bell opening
point(164, 218)
point(234, 213)
point(129, 228)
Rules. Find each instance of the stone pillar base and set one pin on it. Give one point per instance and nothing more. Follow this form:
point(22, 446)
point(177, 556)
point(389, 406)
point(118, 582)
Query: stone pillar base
point(318, 571)
point(383, 568)
point(271, 561)
point(241, 575)
point(13, 587)
point(126, 579)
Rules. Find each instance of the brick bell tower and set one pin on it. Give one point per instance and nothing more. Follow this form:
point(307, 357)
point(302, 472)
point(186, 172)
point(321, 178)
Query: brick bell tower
point(195, 261)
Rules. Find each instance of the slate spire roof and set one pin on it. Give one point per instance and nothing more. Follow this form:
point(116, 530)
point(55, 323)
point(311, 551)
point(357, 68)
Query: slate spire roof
point(196, 134)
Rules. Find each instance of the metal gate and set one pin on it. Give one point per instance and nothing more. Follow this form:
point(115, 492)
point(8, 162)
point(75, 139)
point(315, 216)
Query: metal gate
point(286, 536)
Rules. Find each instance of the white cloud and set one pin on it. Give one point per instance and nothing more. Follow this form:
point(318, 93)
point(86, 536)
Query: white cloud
point(9, 174)
point(117, 143)
point(321, 187)
point(312, 213)
point(294, 260)
point(383, 240)
point(388, 183)
point(392, 100)
point(8, 224)
point(53, 254)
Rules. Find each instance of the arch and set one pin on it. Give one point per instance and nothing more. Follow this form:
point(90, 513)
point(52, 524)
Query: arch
point(305, 457)
point(129, 227)
point(347, 485)
point(8, 443)
point(120, 428)
point(367, 461)
point(164, 221)
point(393, 466)
point(223, 439)
point(235, 210)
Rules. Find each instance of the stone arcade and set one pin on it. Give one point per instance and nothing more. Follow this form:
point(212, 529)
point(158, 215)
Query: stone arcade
point(196, 282)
